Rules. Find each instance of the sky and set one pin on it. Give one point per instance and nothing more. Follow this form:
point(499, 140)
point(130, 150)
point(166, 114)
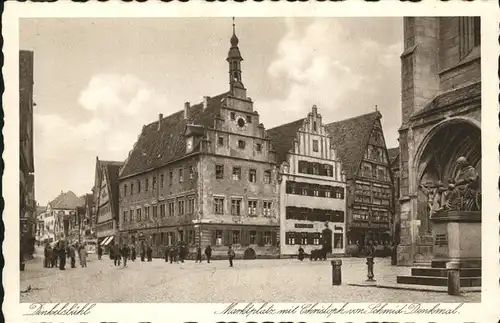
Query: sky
point(98, 81)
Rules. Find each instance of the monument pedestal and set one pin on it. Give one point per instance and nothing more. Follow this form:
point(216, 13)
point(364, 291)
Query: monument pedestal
point(457, 238)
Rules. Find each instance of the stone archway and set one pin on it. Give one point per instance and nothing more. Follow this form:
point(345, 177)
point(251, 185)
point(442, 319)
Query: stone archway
point(435, 159)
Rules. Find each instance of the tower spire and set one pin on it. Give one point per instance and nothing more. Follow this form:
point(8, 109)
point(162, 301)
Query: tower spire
point(234, 59)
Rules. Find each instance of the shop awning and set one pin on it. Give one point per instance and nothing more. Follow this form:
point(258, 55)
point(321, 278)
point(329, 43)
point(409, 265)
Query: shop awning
point(109, 240)
point(104, 242)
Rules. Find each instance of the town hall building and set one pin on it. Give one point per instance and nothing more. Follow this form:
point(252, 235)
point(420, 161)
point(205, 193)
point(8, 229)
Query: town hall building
point(204, 175)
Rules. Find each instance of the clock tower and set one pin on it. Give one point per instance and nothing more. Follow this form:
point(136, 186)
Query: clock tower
point(234, 60)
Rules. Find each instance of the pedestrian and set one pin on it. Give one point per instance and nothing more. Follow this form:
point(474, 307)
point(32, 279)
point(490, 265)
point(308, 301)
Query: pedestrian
point(149, 251)
point(72, 255)
point(83, 256)
point(181, 252)
point(46, 256)
point(116, 255)
point(301, 253)
point(143, 251)
point(208, 253)
point(99, 252)
point(198, 254)
point(55, 256)
point(166, 252)
point(132, 249)
point(171, 254)
point(230, 255)
point(62, 256)
point(125, 254)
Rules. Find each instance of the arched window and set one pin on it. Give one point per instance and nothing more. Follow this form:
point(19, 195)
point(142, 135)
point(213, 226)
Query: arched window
point(315, 126)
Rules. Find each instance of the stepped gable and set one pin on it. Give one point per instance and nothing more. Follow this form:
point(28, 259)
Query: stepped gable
point(159, 146)
point(66, 200)
point(282, 138)
point(350, 137)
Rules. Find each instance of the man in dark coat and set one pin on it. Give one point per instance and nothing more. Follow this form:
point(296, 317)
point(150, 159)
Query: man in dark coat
point(143, 251)
point(181, 252)
point(132, 252)
point(208, 253)
point(125, 253)
point(230, 255)
point(150, 253)
point(62, 256)
point(198, 254)
point(46, 256)
point(301, 253)
point(99, 252)
point(55, 255)
point(166, 253)
point(72, 255)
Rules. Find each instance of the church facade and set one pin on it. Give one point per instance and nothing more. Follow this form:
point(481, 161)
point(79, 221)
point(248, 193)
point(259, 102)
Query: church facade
point(312, 201)
point(204, 175)
point(441, 120)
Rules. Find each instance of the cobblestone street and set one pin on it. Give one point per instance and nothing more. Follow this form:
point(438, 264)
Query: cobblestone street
point(280, 280)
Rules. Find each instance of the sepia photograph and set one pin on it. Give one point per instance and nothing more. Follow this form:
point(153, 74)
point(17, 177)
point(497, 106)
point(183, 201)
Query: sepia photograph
point(250, 159)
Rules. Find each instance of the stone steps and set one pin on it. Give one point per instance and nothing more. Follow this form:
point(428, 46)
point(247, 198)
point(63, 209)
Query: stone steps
point(437, 281)
point(441, 272)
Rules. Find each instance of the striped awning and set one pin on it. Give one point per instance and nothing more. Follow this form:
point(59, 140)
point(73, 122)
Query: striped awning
point(108, 240)
point(105, 241)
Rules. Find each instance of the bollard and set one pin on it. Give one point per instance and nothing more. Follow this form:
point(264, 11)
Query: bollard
point(370, 275)
point(336, 272)
point(453, 278)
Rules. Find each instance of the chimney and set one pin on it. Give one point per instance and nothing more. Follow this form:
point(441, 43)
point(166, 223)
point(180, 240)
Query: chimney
point(186, 109)
point(160, 118)
point(205, 102)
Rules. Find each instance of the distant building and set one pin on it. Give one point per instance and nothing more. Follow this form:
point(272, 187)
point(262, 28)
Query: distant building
point(441, 118)
point(27, 205)
point(106, 201)
point(61, 215)
point(204, 175)
point(88, 222)
point(311, 187)
point(41, 235)
point(360, 145)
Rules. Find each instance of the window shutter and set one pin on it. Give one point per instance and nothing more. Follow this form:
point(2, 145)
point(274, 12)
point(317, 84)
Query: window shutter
point(274, 238)
point(225, 239)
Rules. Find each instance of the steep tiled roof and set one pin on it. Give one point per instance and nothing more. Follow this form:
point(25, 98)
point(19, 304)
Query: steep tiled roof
point(472, 91)
point(155, 148)
point(282, 138)
point(393, 153)
point(67, 201)
point(350, 137)
point(40, 209)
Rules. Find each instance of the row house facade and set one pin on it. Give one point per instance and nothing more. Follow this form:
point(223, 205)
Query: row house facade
point(61, 216)
point(205, 175)
point(105, 204)
point(370, 191)
point(27, 203)
point(312, 203)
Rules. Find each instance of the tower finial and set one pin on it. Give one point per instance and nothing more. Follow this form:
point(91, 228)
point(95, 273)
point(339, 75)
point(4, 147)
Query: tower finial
point(234, 27)
point(376, 107)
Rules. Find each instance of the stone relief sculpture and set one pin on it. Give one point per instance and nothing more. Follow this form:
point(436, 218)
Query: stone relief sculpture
point(462, 193)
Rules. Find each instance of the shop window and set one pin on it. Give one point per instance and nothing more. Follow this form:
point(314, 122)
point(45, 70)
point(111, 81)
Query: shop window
point(236, 237)
point(290, 238)
point(338, 240)
point(267, 238)
point(253, 237)
point(218, 237)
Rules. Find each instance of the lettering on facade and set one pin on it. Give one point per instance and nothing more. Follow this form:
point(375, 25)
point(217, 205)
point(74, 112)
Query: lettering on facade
point(304, 225)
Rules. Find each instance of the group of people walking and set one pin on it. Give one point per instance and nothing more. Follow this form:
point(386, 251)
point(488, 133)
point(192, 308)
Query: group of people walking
point(55, 257)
